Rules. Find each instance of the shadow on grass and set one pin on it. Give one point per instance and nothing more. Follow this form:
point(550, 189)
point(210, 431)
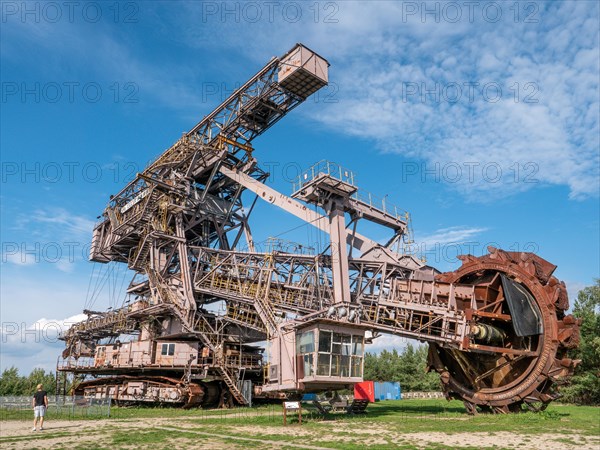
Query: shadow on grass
point(415, 409)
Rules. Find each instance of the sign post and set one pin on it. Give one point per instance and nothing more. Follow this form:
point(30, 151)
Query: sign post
point(292, 407)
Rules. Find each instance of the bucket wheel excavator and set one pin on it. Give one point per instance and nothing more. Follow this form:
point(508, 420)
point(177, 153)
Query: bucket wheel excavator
point(203, 301)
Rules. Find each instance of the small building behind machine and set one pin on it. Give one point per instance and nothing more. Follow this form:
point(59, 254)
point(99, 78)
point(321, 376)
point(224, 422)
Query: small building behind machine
point(387, 390)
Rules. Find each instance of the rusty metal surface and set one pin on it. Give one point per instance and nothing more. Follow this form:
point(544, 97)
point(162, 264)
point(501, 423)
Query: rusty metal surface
point(516, 380)
point(132, 389)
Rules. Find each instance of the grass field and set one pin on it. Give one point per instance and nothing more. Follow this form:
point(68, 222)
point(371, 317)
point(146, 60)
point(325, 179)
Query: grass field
point(405, 424)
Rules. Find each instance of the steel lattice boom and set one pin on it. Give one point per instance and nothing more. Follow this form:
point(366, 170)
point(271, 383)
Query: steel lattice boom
point(201, 306)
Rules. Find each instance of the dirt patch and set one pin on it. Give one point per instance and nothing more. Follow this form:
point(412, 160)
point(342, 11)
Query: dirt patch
point(504, 440)
point(74, 433)
point(21, 428)
point(290, 430)
point(364, 428)
point(327, 432)
point(373, 435)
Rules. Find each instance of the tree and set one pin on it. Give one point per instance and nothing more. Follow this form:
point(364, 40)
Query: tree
point(11, 383)
point(39, 376)
point(408, 368)
point(585, 384)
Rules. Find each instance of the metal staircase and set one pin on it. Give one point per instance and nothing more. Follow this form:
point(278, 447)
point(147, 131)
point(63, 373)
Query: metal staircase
point(199, 325)
point(139, 259)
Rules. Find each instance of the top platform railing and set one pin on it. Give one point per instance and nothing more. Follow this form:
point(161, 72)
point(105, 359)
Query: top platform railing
point(334, 170)
point(323, 168)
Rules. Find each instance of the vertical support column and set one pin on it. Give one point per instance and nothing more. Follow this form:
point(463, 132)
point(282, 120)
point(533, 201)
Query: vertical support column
point(339, 253)
point(184, 263)
point(248, 236)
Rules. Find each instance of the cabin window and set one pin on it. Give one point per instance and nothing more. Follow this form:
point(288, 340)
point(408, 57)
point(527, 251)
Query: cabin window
point(356, 369)
point(306, 342)
point(324, 341)
point(340, 354)
point(305, 347)
point(168, 350)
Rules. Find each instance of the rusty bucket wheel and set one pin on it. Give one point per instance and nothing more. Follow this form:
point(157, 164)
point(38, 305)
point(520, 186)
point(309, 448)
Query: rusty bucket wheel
point(514, 352)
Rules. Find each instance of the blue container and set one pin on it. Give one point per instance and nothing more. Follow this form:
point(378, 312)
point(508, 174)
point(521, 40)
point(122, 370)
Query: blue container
point(309, 397)
point(387, 390)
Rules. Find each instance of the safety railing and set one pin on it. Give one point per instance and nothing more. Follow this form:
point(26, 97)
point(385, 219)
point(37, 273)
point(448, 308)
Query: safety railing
point(381, 204)
point(338, 172)
point(104, 320)
point(283, 246)
point(321, 168)
point(247, 361)
point(277, 294)
point(75, 363)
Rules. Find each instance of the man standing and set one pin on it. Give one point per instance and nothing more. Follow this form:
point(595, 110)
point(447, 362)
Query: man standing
point(39, 403)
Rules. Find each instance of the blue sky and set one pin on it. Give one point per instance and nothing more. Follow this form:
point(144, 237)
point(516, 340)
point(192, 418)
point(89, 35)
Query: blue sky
point(481, 120)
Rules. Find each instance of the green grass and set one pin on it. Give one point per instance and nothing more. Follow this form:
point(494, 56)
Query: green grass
point(145, 437)
point(415, 416)
point(449, 417)
point(568, 424)
point(421, 416)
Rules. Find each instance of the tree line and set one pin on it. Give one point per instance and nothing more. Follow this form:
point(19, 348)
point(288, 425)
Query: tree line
point(12, 384)
point(407, 367)
point(584, 387)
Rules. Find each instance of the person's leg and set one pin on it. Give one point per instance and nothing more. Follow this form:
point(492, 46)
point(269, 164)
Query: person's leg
point(43, 408)
point(35, 418)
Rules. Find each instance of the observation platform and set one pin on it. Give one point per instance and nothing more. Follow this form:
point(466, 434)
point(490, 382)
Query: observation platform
point(325, 179)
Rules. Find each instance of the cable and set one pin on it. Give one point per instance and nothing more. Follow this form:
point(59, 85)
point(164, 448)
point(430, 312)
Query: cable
point(87, 294)
point(290, 230)
point(121, 286)
point(97, 292)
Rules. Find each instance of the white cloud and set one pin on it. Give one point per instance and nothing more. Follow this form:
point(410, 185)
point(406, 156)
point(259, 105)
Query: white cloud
point(55, 236)
point(58, 325)
point(573, 288)
point(35, 290)
point(441, 248)
point(69, 224)
point(27, 346)
point(541, 129)
point(450, 235)
point(18, 257)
